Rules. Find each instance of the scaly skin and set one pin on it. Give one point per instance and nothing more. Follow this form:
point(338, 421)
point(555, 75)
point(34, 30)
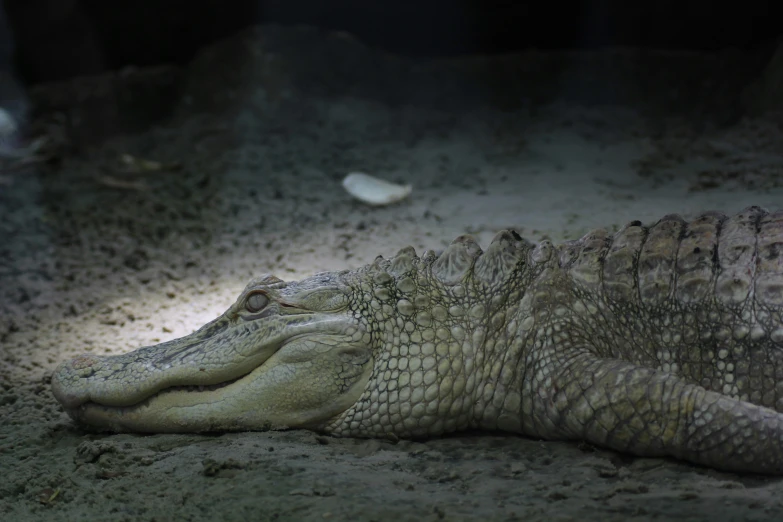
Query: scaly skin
point(661, 340)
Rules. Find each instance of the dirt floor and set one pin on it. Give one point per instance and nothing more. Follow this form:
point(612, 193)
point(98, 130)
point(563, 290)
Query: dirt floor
point(258, 132)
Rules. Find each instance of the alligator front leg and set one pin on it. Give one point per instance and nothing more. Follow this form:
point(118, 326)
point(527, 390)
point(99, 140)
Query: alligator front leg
point(621, 406)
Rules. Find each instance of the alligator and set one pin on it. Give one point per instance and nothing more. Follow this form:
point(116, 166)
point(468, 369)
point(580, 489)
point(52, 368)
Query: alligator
point(659, 341)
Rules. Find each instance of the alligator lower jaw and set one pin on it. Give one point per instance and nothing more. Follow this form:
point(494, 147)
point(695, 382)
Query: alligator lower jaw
point(178, 409)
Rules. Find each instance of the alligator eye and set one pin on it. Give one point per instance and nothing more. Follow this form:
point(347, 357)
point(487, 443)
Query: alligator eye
point(256, 303)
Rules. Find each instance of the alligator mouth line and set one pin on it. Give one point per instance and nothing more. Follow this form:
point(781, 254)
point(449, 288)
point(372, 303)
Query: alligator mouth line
point(196, 388)
point(179, 389)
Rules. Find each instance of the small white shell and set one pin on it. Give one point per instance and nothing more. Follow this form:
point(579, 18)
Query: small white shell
point(374, 191)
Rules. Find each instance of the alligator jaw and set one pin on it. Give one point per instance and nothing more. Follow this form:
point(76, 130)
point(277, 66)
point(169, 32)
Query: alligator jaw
point(269, 397)
point(216, 353)
point(228, 375)
point(224, 406)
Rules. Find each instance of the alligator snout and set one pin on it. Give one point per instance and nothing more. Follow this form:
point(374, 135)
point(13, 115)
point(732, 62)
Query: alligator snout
point(69, 381)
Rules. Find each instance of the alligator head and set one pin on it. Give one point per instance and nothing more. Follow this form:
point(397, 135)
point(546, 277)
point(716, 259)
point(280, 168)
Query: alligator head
point(283, 355)
point(397, 348)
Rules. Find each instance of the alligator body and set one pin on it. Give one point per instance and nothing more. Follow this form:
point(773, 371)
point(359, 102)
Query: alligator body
point(662, 340)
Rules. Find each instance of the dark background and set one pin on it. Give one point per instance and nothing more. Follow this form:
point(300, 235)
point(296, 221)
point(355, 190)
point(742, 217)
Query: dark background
point(57, 39)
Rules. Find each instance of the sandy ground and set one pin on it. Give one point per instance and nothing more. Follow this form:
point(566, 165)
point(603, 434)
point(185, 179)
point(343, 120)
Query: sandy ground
point(264, 126)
